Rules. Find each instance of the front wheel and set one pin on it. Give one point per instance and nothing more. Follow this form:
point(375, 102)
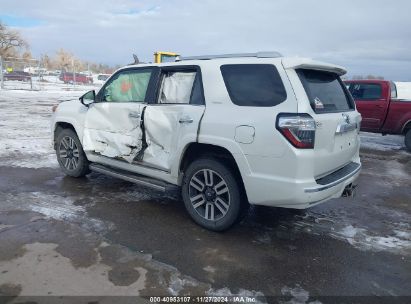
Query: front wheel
point(407, 140)
point(212, 195)
point(70, 154)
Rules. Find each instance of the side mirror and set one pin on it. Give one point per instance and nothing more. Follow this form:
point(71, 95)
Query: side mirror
point(88, 98)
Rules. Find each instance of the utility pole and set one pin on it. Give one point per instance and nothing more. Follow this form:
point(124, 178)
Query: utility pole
point(74, 72)
point(38, 75)
point(1, 73)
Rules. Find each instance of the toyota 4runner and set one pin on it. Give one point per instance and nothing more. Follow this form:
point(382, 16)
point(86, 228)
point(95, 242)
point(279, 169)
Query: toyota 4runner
point(225, 131)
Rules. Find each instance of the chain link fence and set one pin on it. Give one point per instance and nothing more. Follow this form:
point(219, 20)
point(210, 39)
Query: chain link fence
point(19, 73)
point(31, 74)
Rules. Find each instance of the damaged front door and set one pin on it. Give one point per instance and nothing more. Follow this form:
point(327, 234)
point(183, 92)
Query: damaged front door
point(112, 126)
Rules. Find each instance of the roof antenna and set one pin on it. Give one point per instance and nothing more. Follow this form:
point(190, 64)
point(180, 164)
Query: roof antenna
point(136, 60)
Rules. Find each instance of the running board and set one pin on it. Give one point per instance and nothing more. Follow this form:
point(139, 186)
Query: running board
point(138, 179)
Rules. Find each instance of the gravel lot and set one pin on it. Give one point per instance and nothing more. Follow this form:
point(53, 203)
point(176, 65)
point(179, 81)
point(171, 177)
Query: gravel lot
point(99, 236)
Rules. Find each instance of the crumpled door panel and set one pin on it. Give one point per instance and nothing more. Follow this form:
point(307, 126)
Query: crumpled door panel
point(113, 145)
point(113, 130)
point(161, 126)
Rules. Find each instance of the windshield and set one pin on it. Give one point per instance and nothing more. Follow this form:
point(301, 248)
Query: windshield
point(326, 91)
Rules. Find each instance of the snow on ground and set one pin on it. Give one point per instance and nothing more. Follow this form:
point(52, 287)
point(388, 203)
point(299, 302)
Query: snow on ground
point(49, 83)
point(297, 294)
point(25, 125)
point(362, 239)
point(379, 142)
point(55, 207)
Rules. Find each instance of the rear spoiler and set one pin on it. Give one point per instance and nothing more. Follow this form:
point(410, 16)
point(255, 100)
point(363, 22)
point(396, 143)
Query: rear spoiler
point(306, 63)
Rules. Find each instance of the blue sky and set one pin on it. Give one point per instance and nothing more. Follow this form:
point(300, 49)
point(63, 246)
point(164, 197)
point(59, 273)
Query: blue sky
point(367, 36)
point(18, 21)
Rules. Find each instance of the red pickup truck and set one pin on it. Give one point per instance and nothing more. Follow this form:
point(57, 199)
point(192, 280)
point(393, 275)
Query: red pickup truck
point(68, 77)
point(381, 110)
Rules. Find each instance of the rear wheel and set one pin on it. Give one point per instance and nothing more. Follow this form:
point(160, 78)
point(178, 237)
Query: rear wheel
point(408, 140)
point(70, 154)
point(211, 194)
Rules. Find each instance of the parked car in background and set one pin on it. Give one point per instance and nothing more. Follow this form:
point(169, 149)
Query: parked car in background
point(87, 73)
point(381, 110)
point(53, 73)
point(224, 131)
point(17, 75)
point(68, 77)
point(35, 71)
point(101, 78)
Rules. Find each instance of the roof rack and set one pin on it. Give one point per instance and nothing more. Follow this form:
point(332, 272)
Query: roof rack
point(208, 57)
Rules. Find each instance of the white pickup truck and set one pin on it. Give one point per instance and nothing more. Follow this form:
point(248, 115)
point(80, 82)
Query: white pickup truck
point(225, 131)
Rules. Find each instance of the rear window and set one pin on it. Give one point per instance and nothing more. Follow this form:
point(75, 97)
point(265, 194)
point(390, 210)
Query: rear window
point(393, 89)
point(326, 91)
point(254, 85)
point(365, 91)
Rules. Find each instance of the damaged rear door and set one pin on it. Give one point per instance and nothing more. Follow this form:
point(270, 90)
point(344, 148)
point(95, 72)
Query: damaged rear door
point(173, 120)
point(113, 123)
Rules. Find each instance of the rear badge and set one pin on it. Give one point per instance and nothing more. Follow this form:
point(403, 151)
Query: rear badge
point(318, 103)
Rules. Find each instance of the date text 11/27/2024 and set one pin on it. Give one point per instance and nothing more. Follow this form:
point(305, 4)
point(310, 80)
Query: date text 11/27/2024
point(203, 299)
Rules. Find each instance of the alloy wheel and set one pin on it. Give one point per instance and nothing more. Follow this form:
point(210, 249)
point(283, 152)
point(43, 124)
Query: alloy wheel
point(209, 194)
point(69, 153)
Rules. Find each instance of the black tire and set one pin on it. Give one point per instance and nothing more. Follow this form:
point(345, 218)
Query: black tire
point(407, 140)
point(70, 154)
point(213, 220)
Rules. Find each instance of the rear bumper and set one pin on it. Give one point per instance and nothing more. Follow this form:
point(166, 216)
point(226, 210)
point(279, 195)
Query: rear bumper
point(302, 194)
point(335, 178)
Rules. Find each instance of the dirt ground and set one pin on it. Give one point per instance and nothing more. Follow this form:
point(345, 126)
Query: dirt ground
point(99, 236)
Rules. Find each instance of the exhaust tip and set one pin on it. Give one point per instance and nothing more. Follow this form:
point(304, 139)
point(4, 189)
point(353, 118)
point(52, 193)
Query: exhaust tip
point(349, 190)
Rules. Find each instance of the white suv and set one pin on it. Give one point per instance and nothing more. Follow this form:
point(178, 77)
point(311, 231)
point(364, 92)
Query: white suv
point(224, 131)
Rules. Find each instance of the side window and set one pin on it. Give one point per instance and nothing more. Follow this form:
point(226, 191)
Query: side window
point(254, 85)
point(393, 88)
point(197, 96)
point(127, 86)
point(180, 87)
point(365, 91)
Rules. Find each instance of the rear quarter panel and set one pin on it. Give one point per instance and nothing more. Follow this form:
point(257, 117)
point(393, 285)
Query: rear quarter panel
point(222, 118)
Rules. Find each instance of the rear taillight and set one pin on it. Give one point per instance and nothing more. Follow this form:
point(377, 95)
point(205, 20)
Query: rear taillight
point(298, 129)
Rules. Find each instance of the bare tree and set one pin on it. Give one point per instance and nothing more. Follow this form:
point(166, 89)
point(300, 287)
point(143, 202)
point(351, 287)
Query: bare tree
point(10, 41)
point(47, 62)
point(370, 76)
point(64, 60)
point(357, 77)
point(27, 56)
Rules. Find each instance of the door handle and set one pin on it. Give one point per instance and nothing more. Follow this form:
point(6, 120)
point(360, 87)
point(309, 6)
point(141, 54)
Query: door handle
point(185, 120)
point(134, 115)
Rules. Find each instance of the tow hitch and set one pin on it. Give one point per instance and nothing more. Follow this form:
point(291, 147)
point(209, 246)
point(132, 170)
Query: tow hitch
point(349, 191)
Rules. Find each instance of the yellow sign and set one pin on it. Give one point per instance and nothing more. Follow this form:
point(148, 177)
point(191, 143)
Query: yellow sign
point(9, 70)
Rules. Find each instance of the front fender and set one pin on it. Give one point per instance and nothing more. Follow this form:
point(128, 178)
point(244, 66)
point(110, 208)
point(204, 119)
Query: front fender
point(70, 112)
